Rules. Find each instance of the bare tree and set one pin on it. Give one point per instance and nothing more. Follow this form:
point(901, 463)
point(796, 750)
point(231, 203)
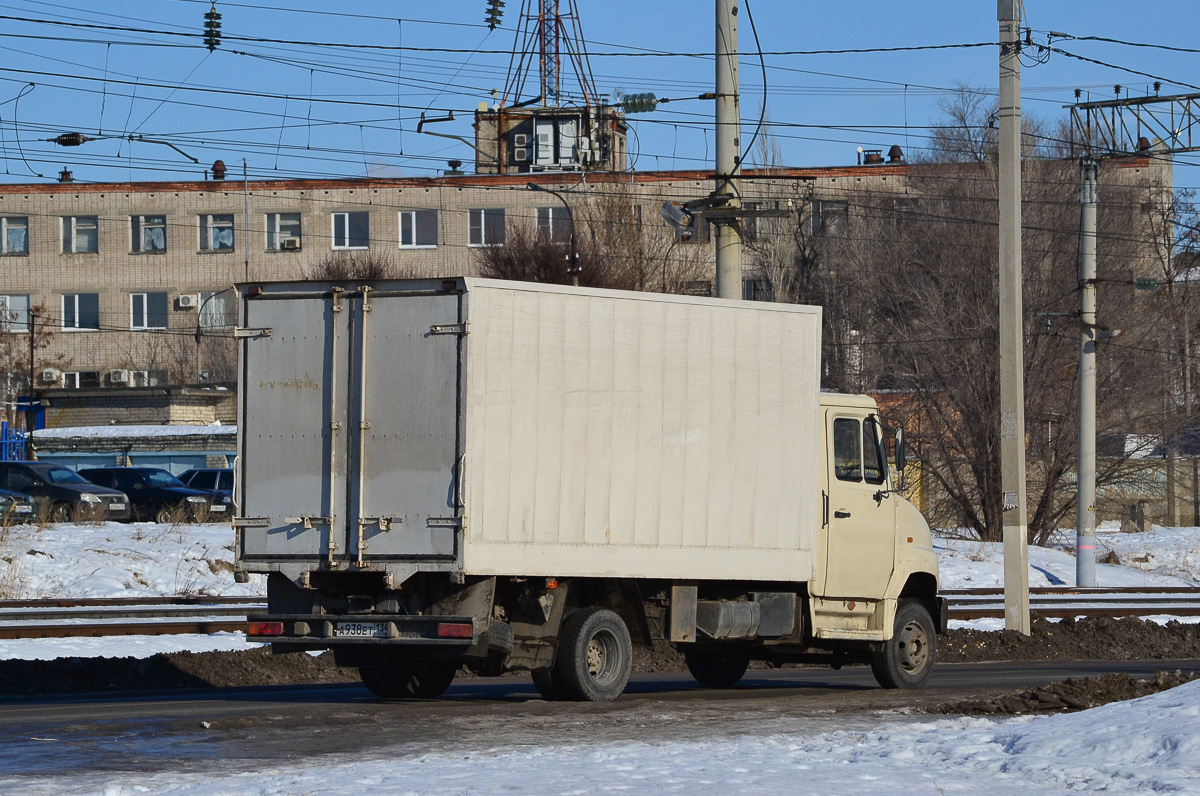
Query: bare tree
point(14, 354)
point(345, 265)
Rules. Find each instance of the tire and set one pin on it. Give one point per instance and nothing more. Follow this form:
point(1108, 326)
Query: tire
point(714, 668)
point(546, 683)
point(906, 660)
point(60, 512)
point(409, 679)
point(163, 514)
point(595, 655)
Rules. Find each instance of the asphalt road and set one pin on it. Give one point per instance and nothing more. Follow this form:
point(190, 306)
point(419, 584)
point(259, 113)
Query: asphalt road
point(247, 727)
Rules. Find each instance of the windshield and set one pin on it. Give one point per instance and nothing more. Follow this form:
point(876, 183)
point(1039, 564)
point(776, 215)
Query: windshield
point(161, 478)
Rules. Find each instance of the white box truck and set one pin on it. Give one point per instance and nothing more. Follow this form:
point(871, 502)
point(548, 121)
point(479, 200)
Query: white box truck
point(511, 476)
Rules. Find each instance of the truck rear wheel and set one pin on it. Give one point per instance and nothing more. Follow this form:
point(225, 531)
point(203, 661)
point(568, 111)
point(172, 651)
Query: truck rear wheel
point(716, 668)
point(906, 659)
point(595, 655)
point(421, 678)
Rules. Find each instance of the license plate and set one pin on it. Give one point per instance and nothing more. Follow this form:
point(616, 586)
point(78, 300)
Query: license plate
point(23, 509)
point(361, 630)
point(216, 508)
point(116, 506)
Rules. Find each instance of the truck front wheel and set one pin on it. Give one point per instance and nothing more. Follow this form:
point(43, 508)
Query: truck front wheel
point(409, 679)
point(716, 668)
point(906, 659)
point(595, 655)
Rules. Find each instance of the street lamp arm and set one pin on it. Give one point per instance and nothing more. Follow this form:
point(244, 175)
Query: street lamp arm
point(573, 263)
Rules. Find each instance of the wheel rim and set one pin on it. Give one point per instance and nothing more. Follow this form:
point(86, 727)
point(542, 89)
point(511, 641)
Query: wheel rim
point(913, 646)
point(602, 658)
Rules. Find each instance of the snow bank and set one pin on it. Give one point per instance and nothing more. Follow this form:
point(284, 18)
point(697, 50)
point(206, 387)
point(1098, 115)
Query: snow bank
point(109, 432)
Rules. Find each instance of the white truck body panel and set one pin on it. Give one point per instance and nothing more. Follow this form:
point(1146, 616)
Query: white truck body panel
point(567, 433)
point(612, 433)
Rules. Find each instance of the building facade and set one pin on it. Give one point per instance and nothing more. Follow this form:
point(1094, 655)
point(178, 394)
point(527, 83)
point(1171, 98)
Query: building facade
point(130, 285)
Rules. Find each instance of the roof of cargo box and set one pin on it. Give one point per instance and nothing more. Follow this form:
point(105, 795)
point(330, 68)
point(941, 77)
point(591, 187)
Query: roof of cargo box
point(834, 398)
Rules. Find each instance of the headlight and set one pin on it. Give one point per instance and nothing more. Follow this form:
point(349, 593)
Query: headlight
point(195, 499)
point(88, 497)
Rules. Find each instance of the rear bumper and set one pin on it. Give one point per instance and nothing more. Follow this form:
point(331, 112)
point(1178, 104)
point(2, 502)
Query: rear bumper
point(326, 631)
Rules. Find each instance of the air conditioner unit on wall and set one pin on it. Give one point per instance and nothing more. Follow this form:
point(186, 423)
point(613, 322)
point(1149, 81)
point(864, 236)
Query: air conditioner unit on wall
point(290, 244)
point(51, 375)
point(189, 301)
point(118, 377)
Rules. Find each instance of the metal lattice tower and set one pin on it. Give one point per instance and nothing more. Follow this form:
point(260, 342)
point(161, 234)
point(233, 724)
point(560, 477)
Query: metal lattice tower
point(547, 37)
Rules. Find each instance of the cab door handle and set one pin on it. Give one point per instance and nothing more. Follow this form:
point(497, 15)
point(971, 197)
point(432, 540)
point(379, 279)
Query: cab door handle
point(841, 514)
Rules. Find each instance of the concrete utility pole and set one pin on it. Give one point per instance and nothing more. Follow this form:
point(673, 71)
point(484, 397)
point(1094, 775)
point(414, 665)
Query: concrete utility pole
point(31, 410)
point(729, 141)
point(1012, 388)
point(1085, 496)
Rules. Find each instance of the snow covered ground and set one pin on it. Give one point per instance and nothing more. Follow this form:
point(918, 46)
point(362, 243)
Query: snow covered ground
point(1145, 746)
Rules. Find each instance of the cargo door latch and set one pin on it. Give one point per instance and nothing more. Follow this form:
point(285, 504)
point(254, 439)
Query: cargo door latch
point(448, 328)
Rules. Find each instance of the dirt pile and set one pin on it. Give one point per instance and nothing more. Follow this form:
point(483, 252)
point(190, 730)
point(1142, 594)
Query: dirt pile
point(1100, 638)
point(1070, 694)
point(256, 667)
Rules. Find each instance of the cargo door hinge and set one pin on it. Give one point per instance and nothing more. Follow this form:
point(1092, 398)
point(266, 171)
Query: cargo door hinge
point(242, 334)
point(448, 328)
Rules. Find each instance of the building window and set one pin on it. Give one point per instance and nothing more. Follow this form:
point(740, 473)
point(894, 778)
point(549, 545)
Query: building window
point(14, 314)
point(216, 309)
point(418, 229)
point(553, 224)
point(147, 378)
point(828, 217)
point(81, 379)
point(80, 234)
point(80, 311)
point(283, 231)
point(147, 310)
point(148, 233)
point(14, 235)
point(216, 233)
point(487, 227)
point(351, 230)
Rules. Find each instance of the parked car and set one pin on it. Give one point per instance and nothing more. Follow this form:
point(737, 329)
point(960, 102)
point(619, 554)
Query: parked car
point(15, 507)
point(210, 479)
point(157, 495)
point(63, 491)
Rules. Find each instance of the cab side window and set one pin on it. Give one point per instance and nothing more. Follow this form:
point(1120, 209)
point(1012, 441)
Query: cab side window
point(847, 450)
point(873, 468)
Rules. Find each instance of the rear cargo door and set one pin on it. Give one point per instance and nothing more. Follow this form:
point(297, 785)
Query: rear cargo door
point(292, 454)
point(405, 421)
point(351, 435)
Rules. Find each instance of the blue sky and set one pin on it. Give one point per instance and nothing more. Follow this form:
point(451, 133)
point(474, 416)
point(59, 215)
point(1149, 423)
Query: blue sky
point(301, 110)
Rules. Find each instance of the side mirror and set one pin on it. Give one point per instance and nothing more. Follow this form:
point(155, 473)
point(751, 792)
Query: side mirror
point(901, 459)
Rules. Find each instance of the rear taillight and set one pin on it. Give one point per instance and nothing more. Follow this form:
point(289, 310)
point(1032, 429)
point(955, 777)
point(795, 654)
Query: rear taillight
point(455, 630)
point(264, 629)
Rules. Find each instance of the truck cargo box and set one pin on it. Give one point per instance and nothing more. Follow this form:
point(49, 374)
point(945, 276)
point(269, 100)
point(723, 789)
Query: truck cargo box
point(482, 427)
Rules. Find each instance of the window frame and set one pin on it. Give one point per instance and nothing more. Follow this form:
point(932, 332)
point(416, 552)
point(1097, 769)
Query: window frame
point(207, 226)
point(552, 218)
point(70, 234)
point(346, 215)
point(75, 311)
point(4, 227)
point(14, 324)
point(411, 224)
point(274, 241)
point(148, 313)
point(137, 229)
point(208, 305)
point(482, 226)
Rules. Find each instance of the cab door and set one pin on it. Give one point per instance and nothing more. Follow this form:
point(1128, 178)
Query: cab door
point(860, 514)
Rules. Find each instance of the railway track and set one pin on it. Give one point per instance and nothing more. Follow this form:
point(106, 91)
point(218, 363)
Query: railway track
point(67, 618)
